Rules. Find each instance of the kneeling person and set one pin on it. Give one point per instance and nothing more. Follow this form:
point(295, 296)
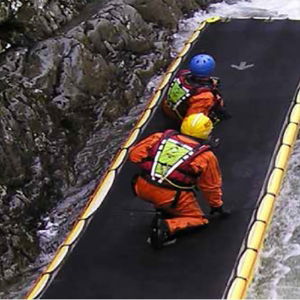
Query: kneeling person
point(194, 90)
point(173, 165)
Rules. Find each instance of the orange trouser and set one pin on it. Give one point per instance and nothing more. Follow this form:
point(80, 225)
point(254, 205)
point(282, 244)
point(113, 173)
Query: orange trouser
point(187, 212)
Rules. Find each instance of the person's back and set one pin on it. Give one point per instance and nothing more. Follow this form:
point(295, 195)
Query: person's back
point(194, 90)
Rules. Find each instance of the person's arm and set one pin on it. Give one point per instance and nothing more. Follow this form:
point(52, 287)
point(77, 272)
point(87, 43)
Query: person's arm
point(200, 103)
point(139, 151)
point(210, 179)
point(219, 108)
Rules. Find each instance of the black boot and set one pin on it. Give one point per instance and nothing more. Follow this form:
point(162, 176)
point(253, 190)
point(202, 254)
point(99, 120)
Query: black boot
point(160, 235)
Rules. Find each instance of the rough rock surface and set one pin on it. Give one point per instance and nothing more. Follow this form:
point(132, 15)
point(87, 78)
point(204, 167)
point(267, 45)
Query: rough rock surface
point(62, 92)
point(24, 22)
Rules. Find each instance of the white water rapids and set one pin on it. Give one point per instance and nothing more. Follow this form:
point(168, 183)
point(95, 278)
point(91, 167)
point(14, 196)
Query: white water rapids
point(278, 273)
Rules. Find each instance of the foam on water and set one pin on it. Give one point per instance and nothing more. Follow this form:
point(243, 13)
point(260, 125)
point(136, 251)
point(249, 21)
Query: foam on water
point(278, 273)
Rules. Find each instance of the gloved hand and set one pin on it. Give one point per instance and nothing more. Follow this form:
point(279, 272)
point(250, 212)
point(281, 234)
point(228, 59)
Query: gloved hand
point(214, 142)
point(220, 211)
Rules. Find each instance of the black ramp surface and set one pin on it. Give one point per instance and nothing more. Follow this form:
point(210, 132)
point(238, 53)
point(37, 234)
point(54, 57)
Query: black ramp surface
point(113, 260)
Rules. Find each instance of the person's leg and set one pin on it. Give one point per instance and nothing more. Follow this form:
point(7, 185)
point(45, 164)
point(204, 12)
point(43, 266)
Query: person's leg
point(158, 196)
point(161, 198)
point(186, 214)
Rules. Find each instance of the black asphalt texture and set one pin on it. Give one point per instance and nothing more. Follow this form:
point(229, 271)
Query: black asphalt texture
point(113, 259)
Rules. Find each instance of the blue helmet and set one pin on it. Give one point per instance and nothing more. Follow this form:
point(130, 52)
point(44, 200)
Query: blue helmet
point(202, 65)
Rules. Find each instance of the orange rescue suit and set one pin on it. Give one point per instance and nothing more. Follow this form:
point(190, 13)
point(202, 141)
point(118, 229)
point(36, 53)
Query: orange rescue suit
point(187, 212)
point(202, 100)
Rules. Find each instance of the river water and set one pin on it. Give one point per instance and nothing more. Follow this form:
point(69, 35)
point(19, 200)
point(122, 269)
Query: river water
point(278, 274)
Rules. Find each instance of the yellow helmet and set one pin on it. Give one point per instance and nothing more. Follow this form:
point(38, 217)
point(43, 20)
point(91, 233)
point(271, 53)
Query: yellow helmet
point(197, 125)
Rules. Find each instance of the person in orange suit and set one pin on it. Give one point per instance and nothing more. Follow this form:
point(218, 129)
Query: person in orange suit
point(173, 165)
point(194, 90)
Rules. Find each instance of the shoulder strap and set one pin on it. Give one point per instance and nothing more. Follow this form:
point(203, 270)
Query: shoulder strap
point(168, 133)
point(197, 150)
point(186, 153)
point(166, 160)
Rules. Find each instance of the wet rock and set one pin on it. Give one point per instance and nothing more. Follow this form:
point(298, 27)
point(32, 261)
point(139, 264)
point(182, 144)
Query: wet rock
point(24, 22)
point(163, 13)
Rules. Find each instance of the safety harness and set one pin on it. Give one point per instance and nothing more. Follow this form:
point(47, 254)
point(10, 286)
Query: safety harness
point(180, 91)
point(177, 94)
point(168, 163)
point(169, 156)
